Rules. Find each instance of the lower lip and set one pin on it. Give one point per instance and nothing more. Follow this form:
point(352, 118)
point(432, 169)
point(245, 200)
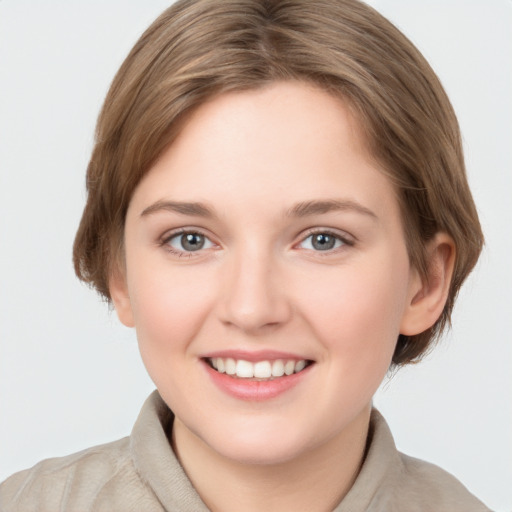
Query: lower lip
point(253, 390)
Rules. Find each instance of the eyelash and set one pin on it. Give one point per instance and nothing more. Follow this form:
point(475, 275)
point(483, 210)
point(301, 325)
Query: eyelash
point(345, 241)
point(165, 242)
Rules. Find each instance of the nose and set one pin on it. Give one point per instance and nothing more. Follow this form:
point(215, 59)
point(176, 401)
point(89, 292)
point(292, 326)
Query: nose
point(254, 298)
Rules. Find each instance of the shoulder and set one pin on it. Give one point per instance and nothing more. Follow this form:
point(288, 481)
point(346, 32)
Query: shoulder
point(433, 488)
point(98, 478)
point(390, 480)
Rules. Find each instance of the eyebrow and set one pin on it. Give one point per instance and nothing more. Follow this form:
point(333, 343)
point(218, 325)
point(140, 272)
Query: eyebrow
point(184, 208)
point(307, 208)
point(302, 209)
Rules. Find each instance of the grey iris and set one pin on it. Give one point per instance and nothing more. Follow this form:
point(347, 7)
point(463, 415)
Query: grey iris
point(192, 241)
point(323, 242)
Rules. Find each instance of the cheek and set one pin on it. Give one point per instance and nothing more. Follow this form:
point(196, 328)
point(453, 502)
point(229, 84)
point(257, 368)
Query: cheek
point(357, 313)
point(169, 307)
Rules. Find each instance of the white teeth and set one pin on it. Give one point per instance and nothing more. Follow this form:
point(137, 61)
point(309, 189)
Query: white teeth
point(230, 366)
point(260, 370)
point(289, 367)
point(263, 370)
point(300, 365)
point(278, 368)
point(220, 365)
point(244, 369)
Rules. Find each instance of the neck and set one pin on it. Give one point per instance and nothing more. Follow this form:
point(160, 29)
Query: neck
point(314, 480)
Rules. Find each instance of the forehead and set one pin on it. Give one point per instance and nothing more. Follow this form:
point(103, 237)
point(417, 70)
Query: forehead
point(286, 142)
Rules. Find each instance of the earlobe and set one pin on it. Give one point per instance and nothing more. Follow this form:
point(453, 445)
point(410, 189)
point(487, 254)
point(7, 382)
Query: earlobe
point(427, 298)
point(121, 298)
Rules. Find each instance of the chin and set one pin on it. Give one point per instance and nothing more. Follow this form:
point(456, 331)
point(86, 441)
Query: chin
point(259, 447)
point(260, 455)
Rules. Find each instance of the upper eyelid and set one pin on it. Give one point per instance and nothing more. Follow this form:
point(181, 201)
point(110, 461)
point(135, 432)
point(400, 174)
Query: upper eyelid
point(167, 235)
point(341, 234)
point(164, 242)
point(344, 236)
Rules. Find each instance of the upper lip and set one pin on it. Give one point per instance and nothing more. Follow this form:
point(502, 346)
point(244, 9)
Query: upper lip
point(255, 356)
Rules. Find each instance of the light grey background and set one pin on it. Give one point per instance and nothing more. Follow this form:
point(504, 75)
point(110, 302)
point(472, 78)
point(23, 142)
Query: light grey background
point(70, 375)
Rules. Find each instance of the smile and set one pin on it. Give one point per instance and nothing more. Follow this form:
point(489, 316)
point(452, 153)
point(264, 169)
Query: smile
point(261, 370)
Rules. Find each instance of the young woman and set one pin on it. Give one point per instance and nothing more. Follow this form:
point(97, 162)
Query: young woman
point(277, 203)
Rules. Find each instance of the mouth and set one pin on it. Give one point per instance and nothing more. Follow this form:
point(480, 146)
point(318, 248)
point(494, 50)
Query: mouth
point(259, 371)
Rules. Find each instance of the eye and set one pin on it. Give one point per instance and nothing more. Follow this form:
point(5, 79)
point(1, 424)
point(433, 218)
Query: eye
point(188, 242)
point(323, 241)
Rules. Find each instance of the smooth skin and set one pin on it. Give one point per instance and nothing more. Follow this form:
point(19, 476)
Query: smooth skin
point(277, 171)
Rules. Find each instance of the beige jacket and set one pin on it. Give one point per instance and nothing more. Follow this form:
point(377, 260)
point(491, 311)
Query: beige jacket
point(140, 473)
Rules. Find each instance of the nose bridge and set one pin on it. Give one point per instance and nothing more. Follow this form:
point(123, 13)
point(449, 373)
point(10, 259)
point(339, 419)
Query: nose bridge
point(253, 298)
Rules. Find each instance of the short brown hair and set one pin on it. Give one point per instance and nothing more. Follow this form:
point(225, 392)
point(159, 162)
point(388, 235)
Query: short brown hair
point(200, 48)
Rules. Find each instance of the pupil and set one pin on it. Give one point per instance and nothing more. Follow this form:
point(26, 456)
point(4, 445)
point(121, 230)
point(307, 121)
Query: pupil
point(323, 242)
point(192, 241)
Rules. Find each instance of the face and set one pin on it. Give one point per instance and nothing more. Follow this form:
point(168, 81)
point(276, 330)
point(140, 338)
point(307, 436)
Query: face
point(266, 273)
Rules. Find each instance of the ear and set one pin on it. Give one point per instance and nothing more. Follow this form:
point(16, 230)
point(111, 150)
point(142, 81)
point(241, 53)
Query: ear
point(427, 298)
point(120, 297)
